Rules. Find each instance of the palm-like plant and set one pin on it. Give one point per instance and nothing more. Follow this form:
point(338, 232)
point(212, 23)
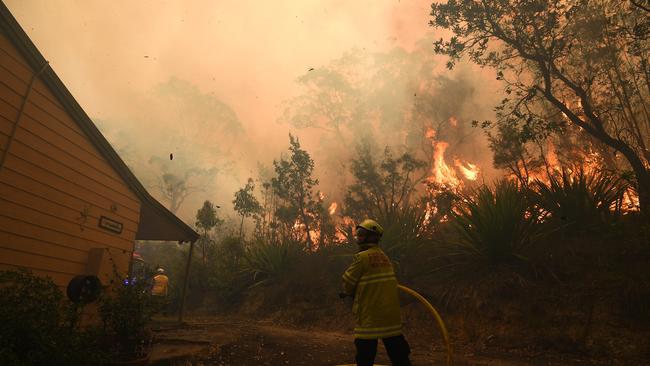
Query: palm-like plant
point(579, 199)
point(485, 252)
point(404, 231)
point(495, 225)
point(266, 261)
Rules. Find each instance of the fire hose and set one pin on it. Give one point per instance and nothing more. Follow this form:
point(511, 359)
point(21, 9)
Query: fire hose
point(436, 316)
point(434, 312)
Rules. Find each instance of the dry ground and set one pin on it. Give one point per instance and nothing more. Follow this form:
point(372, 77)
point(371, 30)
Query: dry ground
point(223, 341)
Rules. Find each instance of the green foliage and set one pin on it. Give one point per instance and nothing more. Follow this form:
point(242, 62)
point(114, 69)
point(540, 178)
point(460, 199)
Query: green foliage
point(579, 199)
point(268, 261)
point(206, 220)
point(510, 146)
point(126, 311)
point(561, 62)
point(39, 327)
point(405, 234)
point(246, 204)
point(381, 187)
point(294, 185)
point(206, 217)
point(224, 272)
point(496, 225)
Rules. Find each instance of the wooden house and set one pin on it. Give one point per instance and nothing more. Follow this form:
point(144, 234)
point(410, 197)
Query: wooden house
point(68, 204)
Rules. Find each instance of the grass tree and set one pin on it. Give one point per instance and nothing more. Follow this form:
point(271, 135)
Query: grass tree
point(495, 225)
point(579, 199)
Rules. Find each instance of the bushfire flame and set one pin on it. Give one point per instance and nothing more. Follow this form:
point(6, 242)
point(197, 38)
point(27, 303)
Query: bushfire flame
point(469, 170)
point(332, 209)
point(430, 134)
point(453, 121)
point(442, 173)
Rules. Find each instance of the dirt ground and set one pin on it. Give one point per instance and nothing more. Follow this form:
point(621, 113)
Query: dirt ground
point(222, 341)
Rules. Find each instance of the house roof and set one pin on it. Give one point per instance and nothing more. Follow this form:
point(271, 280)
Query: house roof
point(156, 221)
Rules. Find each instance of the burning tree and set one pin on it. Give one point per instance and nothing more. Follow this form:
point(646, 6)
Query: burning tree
point(587, 60)
point(294, 185)
point(381, 187)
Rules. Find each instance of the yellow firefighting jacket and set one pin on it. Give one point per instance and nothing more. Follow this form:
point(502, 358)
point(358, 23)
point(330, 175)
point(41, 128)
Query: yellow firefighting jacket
point(371, 279)
point(160, 285)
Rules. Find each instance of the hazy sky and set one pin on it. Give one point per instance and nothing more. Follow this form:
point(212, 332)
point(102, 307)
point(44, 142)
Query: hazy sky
point(115, 55)
point(248, 53)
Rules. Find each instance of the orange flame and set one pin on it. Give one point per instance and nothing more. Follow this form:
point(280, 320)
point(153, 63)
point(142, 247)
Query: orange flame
point(332, 209)
point(442, 173)
point(551, 157)
point(469, 170)
point(430, 134)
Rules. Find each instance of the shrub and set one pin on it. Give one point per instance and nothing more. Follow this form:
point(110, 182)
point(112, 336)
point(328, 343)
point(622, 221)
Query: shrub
point(126, 312)
point(265, 261)
point(579, 199)
point(405, 237)
point(39, 326)
point(224, 270)
point(496, 225)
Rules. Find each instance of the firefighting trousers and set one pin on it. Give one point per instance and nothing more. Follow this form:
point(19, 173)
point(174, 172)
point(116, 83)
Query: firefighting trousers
point(397, 348)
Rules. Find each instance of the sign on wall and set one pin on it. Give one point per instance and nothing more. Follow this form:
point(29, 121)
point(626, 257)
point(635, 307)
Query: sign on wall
point(110, 225)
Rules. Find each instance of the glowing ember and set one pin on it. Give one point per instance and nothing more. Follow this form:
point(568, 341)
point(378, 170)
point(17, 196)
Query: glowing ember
point(453, 121)
point(332, 208)
point(348, 221)
point(469, 170)
point(630, 201)
point(431, 133)
point(551, 158)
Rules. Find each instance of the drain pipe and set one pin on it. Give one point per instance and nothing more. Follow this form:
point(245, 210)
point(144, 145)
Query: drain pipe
point(21, 111)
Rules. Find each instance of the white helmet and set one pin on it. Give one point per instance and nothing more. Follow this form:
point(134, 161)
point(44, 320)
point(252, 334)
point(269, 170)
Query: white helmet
point(160, 270)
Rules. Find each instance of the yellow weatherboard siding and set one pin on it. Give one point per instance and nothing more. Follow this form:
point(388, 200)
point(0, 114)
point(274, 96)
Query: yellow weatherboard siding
point(55, 184)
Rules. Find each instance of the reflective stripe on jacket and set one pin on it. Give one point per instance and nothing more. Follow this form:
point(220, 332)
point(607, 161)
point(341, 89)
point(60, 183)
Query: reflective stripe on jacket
point(371, 279)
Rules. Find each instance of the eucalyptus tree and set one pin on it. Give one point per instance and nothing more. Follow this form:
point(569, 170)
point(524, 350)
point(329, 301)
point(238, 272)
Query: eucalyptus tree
point(587, 60)
point(294, 185)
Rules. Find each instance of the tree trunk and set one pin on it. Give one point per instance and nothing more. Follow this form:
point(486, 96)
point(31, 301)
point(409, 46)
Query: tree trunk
point(642, 177)
point(310, 243)
point(595, 129)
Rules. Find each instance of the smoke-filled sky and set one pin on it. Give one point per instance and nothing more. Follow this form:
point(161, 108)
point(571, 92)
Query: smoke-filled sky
point(211, 80)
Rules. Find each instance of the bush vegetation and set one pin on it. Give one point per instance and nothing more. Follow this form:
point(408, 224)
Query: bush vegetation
point(40, 327)
point(521, 254)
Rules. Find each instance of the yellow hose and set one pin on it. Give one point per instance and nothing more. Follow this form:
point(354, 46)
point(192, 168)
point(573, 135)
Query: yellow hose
point(435, 314)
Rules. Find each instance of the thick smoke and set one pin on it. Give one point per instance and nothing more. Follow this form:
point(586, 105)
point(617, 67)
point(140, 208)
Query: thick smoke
point(208, 92)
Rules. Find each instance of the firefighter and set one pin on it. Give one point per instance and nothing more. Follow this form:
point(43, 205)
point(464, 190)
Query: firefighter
point(370, 279)
point(160, 283)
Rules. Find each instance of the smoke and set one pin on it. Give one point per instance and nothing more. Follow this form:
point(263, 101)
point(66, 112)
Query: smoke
point(215, 84)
